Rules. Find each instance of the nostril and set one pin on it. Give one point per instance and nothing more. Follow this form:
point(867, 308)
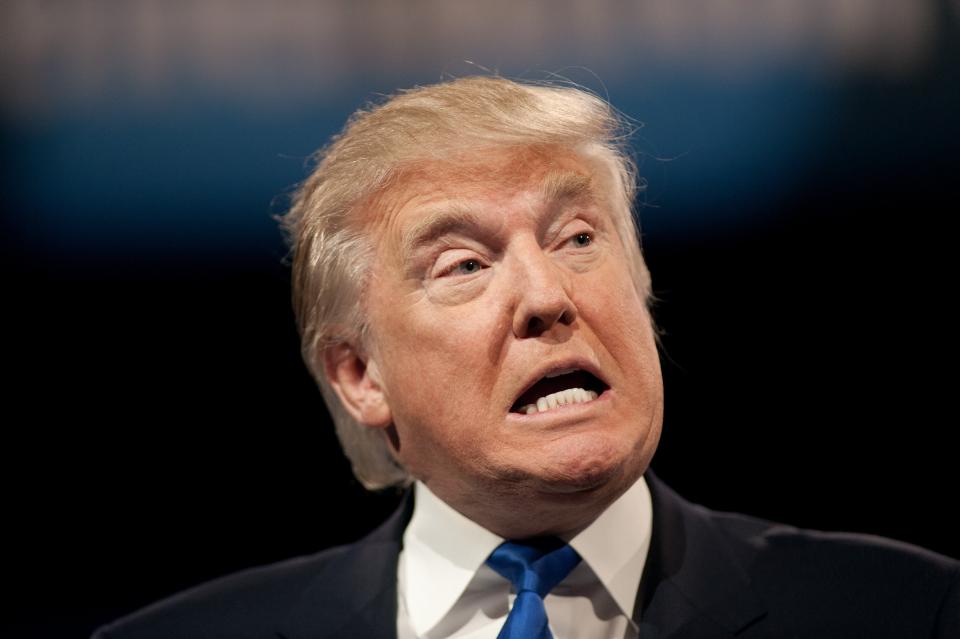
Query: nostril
point(540, 323)
point(535, 326)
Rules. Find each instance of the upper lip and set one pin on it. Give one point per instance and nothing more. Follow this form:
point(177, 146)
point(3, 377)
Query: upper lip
point(557, 366)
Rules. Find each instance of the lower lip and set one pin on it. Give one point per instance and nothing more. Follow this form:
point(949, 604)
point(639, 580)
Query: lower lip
point(567, 411)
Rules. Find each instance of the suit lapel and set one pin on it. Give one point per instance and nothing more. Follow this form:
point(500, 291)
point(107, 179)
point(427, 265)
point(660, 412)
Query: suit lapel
point(355, 594)
point(693, 584)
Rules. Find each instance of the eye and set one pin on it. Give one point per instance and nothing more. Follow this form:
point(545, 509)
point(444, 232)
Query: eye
point(581, 240)
point(467, 266)
point(464, 267)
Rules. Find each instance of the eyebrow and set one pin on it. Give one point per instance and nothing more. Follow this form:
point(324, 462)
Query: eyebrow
point(451, 219)
point(561, 185)
point(456, 217)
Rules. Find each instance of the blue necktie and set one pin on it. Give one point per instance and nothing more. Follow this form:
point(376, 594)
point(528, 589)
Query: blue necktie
point(534, 568)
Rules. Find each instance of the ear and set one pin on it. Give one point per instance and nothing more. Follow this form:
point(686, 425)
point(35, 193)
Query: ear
point(356, 380)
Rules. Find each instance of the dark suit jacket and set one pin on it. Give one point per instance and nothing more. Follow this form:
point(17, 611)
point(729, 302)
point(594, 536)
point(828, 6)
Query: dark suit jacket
point(708, 574)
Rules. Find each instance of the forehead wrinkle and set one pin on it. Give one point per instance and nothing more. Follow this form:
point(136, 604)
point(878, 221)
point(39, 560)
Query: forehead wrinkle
point(453, 217)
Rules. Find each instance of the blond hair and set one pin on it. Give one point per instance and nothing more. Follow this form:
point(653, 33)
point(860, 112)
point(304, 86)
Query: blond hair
point(331, 252)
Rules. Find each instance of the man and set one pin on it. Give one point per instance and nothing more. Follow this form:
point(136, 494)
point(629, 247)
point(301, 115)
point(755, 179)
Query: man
point(474, 306)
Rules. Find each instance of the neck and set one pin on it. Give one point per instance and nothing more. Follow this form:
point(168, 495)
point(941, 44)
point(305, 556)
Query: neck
point(524, 512)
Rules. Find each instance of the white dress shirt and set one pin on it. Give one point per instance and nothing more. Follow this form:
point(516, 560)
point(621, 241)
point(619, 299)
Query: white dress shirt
point(445, 589)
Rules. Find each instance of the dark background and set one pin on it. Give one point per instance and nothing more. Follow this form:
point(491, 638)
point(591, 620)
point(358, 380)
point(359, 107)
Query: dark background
point(801, 161)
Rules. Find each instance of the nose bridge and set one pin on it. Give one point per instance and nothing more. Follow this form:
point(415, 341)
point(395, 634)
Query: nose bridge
point(541, 287)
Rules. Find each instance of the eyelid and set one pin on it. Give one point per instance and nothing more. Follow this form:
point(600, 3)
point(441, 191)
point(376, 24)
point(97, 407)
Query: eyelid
point(464, 255)
point(576, 228)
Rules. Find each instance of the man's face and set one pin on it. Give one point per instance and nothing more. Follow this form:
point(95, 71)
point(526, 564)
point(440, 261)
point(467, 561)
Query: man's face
point(499, 283)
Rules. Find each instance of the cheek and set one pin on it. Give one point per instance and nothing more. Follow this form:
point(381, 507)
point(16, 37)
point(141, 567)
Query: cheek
point(611, 300)
point(459, 348)
point(440, 369)
point(622, 324)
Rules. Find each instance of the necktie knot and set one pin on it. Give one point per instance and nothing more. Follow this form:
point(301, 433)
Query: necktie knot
point(534, 568)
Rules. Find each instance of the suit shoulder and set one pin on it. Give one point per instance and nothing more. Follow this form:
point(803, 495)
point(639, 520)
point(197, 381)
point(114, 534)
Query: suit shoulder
point(841, 576)
point(790, 543)
point(248, 603)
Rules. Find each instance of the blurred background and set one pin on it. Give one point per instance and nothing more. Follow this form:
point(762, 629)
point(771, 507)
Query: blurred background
point(800, 159)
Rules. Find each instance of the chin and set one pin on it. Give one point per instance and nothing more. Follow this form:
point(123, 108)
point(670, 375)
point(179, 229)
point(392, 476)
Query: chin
point(597, 465)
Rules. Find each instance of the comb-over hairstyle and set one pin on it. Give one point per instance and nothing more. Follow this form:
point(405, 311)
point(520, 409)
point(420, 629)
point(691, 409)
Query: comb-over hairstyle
point(331, 249)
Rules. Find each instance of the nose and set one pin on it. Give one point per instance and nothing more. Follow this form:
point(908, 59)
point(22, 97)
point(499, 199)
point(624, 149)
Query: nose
point(543, 297)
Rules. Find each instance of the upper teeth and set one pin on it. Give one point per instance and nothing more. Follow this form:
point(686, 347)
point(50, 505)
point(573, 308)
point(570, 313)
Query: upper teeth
point(560, 398)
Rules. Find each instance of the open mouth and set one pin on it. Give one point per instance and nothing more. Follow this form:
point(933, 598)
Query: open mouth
point(555, 390)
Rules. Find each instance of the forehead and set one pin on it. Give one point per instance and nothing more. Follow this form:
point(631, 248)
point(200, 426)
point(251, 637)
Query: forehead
point(508, 169)
point(446, 188)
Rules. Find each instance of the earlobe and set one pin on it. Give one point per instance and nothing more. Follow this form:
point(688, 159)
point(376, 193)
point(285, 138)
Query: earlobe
point(356, 380)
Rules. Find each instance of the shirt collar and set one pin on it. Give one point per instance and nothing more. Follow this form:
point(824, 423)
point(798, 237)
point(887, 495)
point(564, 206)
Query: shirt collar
point(615, 545)
point(442, 551)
